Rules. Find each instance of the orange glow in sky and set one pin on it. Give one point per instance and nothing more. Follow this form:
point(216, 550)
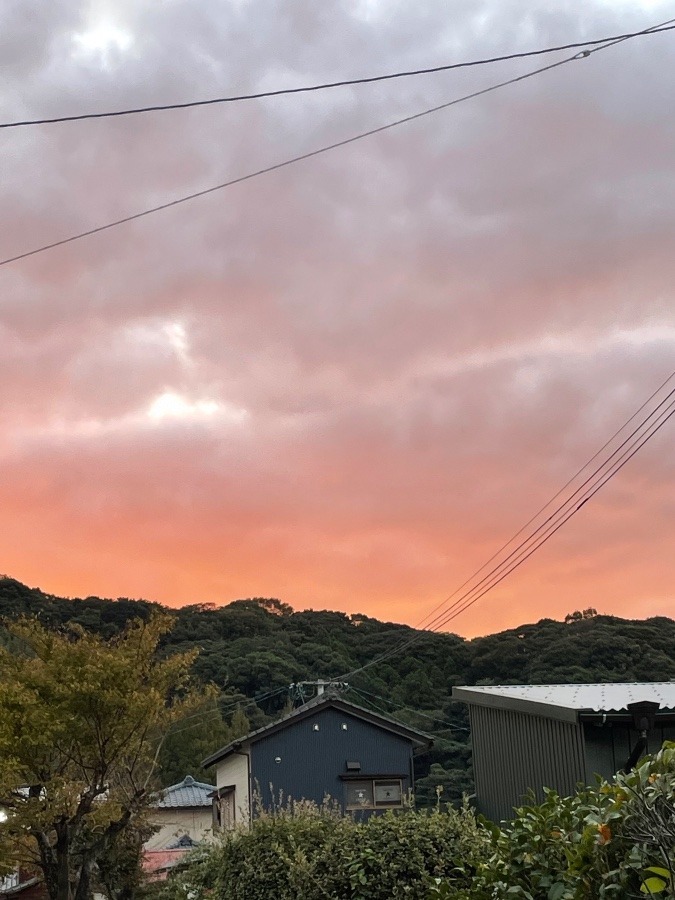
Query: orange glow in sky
point(344, 384)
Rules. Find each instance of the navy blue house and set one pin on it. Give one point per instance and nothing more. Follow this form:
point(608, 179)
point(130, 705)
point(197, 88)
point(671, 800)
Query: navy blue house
point(327, 749)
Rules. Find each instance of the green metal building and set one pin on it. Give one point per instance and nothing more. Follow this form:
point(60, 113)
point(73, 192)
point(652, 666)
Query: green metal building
point(527, 737)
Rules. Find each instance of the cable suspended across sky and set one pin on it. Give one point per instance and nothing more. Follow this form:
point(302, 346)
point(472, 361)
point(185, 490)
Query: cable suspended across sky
point(610, 465)
point(584, 54)
point(326, 85)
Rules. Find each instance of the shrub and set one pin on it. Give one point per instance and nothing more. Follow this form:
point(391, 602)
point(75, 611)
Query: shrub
point(560, 849)
point(393, 856)
point(305, 853)
point(614, 840)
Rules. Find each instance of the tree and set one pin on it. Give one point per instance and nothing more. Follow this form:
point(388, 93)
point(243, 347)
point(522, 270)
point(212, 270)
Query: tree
point(258, 647)
point(577, 616)
point(195, 738)
point(81, 724)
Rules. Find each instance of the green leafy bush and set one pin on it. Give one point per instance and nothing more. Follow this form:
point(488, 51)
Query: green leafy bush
point(306, 853)
point(614, 840)
point(398, 855)
point(561, 849)
point(649, 794)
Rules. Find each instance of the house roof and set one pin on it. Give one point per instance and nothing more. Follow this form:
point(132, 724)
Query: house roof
point(325, 700)
point(156, 861)
point(187, 793)
point(567, 701)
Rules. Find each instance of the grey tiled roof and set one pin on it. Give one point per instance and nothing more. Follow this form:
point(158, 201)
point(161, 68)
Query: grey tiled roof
point(186, 793)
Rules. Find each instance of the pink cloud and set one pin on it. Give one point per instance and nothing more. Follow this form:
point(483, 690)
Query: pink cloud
point(348, 382)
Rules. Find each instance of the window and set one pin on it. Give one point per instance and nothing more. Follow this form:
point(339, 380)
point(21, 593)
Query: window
point(360, 795)
point(373, 793)
point(387, 793)
point(223, 808)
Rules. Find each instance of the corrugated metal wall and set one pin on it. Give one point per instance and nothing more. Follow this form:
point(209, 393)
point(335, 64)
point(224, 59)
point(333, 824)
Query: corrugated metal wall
point(311, 761)
point(513, 752)
point(608, 746)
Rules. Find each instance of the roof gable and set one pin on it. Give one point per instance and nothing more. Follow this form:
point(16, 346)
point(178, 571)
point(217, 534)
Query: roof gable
point(187, 793)
point(324, 701)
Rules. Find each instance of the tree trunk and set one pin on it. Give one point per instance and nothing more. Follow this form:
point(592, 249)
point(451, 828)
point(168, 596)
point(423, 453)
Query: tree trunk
point(83, 890)
point(48, 864)
point(62, 850)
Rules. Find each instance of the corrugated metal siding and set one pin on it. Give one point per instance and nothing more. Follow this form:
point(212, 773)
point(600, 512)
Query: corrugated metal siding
point(514, 752)
point(311, 762)
point(609, 746)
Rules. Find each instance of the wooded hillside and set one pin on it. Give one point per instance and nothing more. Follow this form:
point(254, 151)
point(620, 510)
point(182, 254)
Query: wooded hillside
point(260, 646)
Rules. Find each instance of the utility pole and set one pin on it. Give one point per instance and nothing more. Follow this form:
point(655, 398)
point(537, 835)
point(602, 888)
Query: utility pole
point(297, 688)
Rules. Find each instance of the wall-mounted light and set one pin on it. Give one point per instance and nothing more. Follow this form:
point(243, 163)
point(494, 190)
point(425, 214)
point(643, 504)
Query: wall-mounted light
point(644, 714)
point(277, 759)
point(344, 726)
point(316, 727)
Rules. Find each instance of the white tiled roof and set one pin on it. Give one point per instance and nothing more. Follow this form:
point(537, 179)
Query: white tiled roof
point(596, 697)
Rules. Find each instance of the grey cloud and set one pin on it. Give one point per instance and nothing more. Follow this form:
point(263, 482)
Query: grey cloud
point(331, 299)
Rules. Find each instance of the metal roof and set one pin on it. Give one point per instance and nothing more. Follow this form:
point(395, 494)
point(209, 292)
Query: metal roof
point(187, 793)
point(156, 861)
point(325, 699)
point(566, 701)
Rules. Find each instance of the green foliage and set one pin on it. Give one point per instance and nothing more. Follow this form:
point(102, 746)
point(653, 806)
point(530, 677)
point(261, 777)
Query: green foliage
point(562, 848)
point(650, 817)
point(656, 881)
point(255, 646)
point(118, 874)
point(310, 853)
point(191, 740)
point(80, 721)
point(613, 840)
point(194, 738)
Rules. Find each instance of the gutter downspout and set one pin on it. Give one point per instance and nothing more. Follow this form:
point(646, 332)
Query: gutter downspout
point(644, 717)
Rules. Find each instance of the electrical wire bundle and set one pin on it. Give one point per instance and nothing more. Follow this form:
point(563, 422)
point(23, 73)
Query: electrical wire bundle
point(607, 462)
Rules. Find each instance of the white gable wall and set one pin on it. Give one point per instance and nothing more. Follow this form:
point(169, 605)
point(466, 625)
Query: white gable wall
point(234, 770)
point(196, 822)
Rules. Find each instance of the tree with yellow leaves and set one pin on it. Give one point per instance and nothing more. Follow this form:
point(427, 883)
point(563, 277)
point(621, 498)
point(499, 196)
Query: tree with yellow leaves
point(82, 721)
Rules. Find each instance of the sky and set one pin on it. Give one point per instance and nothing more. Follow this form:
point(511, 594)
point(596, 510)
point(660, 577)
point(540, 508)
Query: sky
point(345, 383)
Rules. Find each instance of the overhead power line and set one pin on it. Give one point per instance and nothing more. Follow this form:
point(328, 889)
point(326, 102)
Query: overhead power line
point(554, 525)
point(321, 150)
point(523, 552)
point(216, 714)
point(649, 425)
point(428, 620)
point(418, 712)
point(326, 85)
